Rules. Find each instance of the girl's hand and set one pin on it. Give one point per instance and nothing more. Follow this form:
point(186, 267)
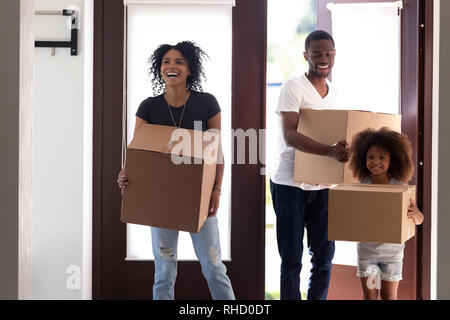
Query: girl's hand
point(122, 181)
point(414, 213)
point(214, 202)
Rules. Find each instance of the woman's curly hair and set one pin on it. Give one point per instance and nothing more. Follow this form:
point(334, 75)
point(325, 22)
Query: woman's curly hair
point(397, 144)
point(194, 56)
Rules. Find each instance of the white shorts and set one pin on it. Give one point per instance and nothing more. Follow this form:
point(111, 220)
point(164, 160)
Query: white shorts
point(386, 271)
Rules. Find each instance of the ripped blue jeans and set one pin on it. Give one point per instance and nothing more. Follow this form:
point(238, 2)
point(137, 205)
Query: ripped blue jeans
point(207, 248)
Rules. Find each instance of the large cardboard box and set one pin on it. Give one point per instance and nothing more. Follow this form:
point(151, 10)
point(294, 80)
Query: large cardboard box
point(370, 213)
point(161, 191)
point(328, 127)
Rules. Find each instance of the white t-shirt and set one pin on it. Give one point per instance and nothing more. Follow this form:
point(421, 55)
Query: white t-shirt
point(296, 93)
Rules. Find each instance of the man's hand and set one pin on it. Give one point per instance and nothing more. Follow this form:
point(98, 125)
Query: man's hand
point(340, 151)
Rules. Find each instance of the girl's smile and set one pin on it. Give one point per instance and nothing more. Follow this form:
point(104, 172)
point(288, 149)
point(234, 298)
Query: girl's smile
point(378, 161)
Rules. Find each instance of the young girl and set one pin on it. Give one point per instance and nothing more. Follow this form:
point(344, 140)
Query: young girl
point(177, 71)
point(382, 157)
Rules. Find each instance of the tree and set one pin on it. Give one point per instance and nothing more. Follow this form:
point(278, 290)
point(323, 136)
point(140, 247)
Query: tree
point(308, 23)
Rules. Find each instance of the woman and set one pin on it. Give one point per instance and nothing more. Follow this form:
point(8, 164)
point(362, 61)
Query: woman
point(177, 70)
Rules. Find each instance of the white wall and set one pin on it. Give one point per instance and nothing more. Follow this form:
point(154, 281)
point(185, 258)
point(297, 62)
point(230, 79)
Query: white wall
point(62, 157)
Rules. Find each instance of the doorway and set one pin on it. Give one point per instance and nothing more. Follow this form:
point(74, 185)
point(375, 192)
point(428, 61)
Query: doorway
point(344, 284)
point(113, 276)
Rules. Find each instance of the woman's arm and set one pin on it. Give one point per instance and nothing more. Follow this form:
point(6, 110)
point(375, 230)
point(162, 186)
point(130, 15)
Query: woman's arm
point(215, 123)
point(139, 123)
point(122, 179)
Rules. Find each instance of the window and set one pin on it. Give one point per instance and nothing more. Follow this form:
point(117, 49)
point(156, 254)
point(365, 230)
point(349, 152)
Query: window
point(367, 37)
point(149, 24)
point(289, 23)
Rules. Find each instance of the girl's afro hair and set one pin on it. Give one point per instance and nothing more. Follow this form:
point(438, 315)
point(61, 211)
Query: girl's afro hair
point(397, 144)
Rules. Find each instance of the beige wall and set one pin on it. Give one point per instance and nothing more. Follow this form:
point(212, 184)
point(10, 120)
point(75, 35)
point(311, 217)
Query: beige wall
point(16, 91)
point(443, 176)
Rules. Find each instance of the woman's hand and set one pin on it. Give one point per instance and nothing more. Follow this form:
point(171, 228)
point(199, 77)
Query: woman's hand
point(122, 181)
point(214, 202)
point(414, 213)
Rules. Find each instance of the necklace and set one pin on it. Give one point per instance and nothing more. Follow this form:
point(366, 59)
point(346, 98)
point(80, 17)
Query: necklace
point(182, 114)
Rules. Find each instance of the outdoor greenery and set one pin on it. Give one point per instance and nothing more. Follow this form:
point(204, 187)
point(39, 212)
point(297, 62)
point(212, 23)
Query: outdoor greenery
point(285, 58)
point(308, 22)
point(292, 21)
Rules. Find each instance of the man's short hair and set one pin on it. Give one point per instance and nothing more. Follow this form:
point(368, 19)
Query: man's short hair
point(317, 35)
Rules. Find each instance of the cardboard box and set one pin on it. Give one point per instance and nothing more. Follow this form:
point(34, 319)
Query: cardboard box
point(329, 127)
point(162, 193)
point(370, 213)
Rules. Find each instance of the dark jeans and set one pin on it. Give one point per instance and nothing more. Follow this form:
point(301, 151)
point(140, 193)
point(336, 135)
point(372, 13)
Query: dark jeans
point(297, 209)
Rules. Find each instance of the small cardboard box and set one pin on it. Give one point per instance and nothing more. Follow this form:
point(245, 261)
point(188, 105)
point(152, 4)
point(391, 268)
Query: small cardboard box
point(370, 213)
point(161, 191)
point(329, 127)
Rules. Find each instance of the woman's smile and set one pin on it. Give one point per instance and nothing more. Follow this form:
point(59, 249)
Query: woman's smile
point(174, 68)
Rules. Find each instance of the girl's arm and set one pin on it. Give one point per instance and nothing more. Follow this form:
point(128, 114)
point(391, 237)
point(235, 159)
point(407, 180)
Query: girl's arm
point(415, 214)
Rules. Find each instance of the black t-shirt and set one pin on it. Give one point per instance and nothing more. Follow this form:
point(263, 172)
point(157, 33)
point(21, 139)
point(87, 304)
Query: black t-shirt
point(200, 106)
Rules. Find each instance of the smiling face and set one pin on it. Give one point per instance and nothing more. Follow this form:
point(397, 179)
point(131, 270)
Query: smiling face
point(174, 68)
point(320, 56)
point(378, 161)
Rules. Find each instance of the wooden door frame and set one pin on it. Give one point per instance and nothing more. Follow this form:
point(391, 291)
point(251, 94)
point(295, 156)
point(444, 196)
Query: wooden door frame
point(426, 121)
point(416, 76)
point(111, 274)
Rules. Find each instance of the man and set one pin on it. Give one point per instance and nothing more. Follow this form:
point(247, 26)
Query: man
point(301, 205)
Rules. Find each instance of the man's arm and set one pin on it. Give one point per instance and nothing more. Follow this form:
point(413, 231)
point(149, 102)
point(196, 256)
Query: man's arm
point(338, 151)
